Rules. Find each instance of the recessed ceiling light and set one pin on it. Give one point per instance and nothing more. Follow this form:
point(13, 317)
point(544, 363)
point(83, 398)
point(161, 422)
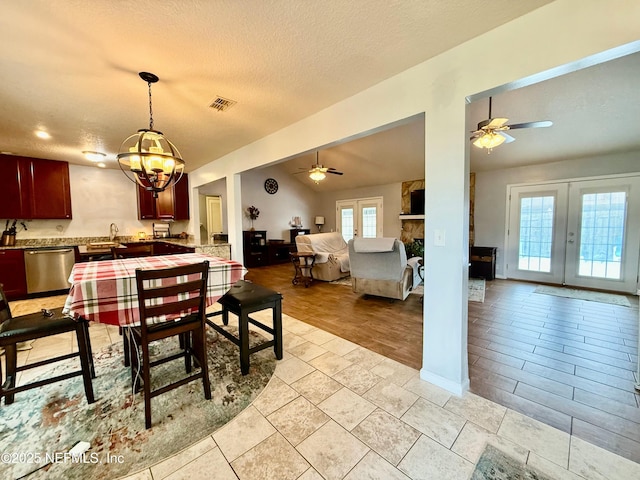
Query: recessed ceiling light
point(94, 156)
point(42, 134)
point(101, 165)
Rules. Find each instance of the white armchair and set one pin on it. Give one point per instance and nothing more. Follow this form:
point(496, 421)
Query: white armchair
point(379, 267)
point(331, 254)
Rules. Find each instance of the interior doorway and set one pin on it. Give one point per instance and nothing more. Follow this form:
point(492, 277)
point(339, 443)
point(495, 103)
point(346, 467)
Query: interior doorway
point(583, 233)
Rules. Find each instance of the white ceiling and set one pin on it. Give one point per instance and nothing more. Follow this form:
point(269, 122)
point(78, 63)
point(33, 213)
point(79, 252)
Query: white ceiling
point(594, 111)
point(71, 67)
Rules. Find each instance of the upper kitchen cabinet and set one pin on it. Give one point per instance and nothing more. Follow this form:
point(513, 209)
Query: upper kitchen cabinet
point(34, 188)
point(171, 204)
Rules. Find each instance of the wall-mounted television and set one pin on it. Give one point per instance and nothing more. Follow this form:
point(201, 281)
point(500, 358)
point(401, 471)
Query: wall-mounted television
point(417, 202)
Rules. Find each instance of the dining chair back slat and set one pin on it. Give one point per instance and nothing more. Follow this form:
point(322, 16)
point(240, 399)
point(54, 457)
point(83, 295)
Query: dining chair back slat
point(172, 302)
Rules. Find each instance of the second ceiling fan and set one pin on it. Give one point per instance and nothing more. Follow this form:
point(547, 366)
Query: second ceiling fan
point(318, 171)
point(491, 132)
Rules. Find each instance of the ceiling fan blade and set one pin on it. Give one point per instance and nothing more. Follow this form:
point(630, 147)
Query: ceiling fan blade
point(334, 171)
point(496, 122)
point(507, 138)
point(543, 123)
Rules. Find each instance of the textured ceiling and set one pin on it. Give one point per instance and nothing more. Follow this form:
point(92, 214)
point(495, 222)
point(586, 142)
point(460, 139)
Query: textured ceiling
point(70, 66)
point(594, 112)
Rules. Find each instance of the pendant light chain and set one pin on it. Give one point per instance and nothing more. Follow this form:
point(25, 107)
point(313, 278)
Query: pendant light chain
point(150, 108)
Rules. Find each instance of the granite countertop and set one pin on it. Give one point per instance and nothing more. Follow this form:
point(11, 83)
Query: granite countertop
point(77, 241)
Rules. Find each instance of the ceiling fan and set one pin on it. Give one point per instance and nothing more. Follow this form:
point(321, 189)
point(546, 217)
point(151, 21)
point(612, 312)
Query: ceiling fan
point(318, 171)
point(491, 132)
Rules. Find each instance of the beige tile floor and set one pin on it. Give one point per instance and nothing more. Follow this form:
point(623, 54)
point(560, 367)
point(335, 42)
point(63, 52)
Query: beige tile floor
point(334, 410)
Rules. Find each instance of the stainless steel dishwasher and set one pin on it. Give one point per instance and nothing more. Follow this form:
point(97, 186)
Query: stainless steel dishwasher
point(48, 268)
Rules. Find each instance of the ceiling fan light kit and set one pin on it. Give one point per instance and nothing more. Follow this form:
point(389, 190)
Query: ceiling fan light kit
point(491, 132)
point(489, 140)
point(147, 157)
point(318, 172)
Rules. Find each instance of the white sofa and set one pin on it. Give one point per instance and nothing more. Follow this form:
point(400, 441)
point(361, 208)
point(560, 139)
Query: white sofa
point(331, 254)
point(379, 266)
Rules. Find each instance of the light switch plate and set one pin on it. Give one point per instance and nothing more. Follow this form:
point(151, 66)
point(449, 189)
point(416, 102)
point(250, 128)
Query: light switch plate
point(439, 238)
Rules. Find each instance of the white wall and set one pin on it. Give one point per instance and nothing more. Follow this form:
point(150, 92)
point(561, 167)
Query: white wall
point(491, 191)
point(99, 197)
point(293, 199)
point(573, 30)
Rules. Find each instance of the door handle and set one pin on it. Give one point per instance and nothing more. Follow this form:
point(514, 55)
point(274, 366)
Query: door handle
point(570, 241)
point(38, 252)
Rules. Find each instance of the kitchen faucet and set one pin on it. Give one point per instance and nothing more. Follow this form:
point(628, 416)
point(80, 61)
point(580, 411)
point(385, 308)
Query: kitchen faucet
point(113, 231)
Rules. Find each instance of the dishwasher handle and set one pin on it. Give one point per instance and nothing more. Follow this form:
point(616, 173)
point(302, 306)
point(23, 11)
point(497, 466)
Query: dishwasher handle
point(38, 252)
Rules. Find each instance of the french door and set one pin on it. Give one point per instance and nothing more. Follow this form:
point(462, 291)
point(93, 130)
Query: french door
point(581, 233)
point(360, 217)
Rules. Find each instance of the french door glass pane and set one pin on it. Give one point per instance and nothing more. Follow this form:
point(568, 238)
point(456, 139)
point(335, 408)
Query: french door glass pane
point(602, 234)
point(346, 223)
point(369, 222)
point(536, 233)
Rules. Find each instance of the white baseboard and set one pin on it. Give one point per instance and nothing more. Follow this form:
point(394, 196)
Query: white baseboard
point(449, 385)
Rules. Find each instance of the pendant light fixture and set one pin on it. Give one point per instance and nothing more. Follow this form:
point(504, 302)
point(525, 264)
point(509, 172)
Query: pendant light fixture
point(147, 157)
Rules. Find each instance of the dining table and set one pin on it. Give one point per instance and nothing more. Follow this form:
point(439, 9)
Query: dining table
point(105, 291)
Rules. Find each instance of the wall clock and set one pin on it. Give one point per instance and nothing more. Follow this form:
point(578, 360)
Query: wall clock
point(270, 185)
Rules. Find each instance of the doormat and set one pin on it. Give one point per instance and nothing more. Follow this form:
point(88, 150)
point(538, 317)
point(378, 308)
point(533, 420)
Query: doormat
point(495, 465)
point(42, 425)
point(588, 295)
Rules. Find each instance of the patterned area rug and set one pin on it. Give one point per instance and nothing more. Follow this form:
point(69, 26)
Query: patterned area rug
point(495, 465)
point(45, 425)
point(583, 295)
point(477, 288)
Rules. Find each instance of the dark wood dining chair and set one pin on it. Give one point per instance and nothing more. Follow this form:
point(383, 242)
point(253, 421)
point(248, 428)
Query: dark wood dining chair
point(132, 251)
point(163, 297)
point(46, 323)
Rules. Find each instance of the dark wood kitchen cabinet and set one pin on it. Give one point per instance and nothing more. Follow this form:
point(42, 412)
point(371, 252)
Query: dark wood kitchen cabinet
point(171, 204)
point(50, 189)
point(34, 188)
point(12, 274)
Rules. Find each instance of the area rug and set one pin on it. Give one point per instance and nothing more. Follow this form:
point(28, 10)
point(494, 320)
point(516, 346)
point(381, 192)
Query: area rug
point(43, 425)
point(583, 295)
point(496, 465)
point(476, 288)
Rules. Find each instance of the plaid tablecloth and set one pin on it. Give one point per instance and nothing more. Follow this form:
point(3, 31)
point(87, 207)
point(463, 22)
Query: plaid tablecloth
point(106, 291)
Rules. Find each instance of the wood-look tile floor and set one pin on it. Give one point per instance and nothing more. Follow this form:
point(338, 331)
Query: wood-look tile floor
point(566, 362)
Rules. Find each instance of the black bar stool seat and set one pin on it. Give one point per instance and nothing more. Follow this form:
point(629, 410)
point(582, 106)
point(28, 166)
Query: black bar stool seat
point(14, 330)
point(242, 299)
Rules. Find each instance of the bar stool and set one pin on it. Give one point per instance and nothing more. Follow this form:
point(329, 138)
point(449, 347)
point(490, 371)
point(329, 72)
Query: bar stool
point(242, 299)
point(32, 326)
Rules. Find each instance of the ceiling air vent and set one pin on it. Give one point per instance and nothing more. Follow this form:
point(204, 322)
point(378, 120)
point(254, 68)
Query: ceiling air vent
point(221, 104)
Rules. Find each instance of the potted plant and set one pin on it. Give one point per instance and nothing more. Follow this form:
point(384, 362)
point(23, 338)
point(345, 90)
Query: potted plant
point(253, 213)
point(414, 249)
